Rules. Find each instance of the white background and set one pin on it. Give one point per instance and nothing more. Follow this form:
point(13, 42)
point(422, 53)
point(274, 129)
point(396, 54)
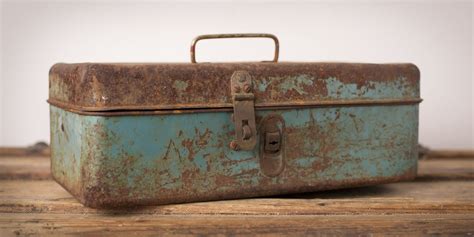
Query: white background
point(435, 35)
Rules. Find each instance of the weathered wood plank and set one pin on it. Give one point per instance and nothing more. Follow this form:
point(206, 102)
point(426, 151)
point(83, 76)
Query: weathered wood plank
point(444, 186)
point(457, 154)
point(38, 149)
point(27, 167)
point(398, 198)
point(439, 202)
point(146, 225)
point(446, 169)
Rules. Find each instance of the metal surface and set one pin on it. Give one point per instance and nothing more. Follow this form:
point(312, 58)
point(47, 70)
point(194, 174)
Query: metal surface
point(173, 158)
point(142, 88)
point(223, 36)
point(272, 141)
point(158, 133)
point(244, 112)
point(272, 148)
point(283, 106)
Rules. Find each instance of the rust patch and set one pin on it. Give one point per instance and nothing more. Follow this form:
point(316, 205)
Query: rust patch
point(107, 183)
point(95, 87)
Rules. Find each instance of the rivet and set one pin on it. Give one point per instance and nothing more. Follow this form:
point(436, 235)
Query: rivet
point(237, 89)
point(247, 88)
point(234, 146)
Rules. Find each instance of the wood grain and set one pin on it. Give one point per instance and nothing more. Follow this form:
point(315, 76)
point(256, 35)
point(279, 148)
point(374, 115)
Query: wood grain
point(458, 154)
point(399, 198)
point(28, 167)
point(439, 202)
point(37, 149)
point(153, 225)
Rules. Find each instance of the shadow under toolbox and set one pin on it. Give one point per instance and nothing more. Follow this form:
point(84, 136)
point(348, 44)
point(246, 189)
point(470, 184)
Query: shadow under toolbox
point(157, 133)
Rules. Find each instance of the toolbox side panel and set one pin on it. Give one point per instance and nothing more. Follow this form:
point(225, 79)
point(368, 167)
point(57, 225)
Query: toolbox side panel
point(157, 159)
point(76, 150)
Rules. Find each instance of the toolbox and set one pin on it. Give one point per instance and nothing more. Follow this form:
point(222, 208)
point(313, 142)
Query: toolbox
point(128, 134)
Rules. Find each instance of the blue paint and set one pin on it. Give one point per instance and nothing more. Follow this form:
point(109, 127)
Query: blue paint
point(148, 155)
point(398, 88)
point(336, 89)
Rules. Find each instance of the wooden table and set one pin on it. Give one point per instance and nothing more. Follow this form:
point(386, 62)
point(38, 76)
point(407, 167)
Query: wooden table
point(439, 202)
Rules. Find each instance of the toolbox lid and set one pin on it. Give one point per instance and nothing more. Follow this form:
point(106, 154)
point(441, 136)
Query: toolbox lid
point(113, 87)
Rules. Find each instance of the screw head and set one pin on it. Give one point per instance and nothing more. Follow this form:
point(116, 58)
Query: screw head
point(237, 89)
point(234, 146)
point(247, 88)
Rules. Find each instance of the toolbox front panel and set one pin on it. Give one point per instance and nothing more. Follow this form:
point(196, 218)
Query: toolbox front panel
point(172, 158)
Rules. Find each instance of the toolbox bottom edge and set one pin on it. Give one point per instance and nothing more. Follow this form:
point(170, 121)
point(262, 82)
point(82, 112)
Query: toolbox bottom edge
point(95, 199)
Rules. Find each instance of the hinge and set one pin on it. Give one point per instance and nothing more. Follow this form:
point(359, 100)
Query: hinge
point(244, 111)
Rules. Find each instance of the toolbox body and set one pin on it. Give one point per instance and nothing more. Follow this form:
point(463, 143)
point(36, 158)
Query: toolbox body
point(158, 133)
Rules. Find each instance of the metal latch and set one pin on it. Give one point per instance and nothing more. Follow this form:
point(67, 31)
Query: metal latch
point(244, 111)
point(272, 153)
point(272, 142)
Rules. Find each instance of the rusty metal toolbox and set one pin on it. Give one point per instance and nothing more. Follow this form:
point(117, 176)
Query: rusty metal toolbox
point(158, 133)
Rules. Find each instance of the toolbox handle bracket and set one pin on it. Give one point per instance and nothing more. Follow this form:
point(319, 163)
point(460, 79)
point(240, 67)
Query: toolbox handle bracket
point(242, 35)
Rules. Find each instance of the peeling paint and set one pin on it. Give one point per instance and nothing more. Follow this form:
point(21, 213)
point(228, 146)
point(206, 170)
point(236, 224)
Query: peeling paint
point(183, 154)
point(285, 84)
point(169, 86)
point(143, 160)
point(180, 86)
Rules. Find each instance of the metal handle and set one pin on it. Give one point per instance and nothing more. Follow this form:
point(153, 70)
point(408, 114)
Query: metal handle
point(221, 36)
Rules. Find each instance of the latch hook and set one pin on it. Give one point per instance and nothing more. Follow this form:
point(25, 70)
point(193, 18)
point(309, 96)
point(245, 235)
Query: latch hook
point(244, 111)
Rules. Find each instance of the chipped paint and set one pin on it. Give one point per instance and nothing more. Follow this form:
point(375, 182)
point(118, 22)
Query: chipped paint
point(285, 84)
point(169, 86)
point(180, 86)
point(143, 159)
point(397, 88)
point(181, 154)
